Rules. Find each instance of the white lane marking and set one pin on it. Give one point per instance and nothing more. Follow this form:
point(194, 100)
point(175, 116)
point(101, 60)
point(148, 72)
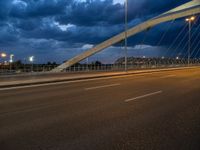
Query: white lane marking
point(76, 81)
point(143, 96)
point(103, 86)
point(169, 76)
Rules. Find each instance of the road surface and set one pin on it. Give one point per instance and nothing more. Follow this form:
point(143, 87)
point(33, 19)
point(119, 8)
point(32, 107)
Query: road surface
point(135, 112)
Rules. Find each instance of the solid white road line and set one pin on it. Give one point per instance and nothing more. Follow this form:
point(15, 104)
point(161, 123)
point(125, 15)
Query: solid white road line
point(103, 86)
point(143, 96)
point(168, 76)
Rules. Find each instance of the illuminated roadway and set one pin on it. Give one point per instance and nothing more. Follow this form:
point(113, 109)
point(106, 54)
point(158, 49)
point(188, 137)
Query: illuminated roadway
point(145, 111)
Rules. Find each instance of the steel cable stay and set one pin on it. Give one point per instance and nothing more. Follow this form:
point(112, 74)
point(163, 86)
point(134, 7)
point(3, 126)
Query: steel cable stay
point(181, 49)
point(178, 45)
point(161, 39)
point(143, 41)
point(165, 33)
point(183, 59)
point(175, 40)
point(193, 34)
point(196, 39)
point(196, 48)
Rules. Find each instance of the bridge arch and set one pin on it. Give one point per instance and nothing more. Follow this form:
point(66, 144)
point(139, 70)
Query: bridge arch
point(187, 9)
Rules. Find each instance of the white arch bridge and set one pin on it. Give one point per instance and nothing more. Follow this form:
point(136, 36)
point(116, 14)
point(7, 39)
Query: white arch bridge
point(187, 9)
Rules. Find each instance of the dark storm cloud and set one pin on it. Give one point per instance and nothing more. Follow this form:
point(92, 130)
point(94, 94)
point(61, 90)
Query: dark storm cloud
point(5, 8)
point(92, 13)
point(38, 8)
point(98, 12)
point(49, 25)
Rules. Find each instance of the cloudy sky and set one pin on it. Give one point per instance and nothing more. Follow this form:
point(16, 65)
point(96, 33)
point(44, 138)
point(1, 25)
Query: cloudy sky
point(56, 30)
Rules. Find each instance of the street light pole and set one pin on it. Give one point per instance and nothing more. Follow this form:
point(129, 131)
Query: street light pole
point(11, 61)
point(126, 28)
point(189, 20)
point(31, 59)
point(189, 43)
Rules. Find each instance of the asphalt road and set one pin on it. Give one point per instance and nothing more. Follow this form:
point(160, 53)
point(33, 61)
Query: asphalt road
point(136, 112)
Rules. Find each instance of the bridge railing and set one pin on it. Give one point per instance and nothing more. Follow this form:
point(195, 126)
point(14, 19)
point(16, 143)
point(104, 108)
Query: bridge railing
point(38, 69)
point(113, 67)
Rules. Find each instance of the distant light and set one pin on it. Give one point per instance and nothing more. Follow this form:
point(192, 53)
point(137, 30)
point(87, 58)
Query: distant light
point(11, 58)
point(144, 57)
point(163, 57)
point(177, 58)
point(31, 59)
point(3, 55)
point(190, 19)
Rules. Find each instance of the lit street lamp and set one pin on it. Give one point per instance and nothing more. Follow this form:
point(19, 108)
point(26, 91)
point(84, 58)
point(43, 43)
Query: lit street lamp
point(11, 58)
point(11, 61)
point(189, 20)
point(3, 55)
point(31, 59)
